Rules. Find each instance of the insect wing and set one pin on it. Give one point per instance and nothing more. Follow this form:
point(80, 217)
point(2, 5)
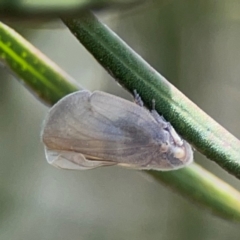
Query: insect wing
point(98, 129)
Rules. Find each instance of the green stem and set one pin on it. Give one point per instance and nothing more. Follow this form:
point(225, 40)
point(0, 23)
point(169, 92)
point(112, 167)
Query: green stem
point(202, 187)
point(132, 72)
point(43, 77)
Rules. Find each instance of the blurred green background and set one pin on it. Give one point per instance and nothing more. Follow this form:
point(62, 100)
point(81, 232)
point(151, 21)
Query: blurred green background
point(195, 44)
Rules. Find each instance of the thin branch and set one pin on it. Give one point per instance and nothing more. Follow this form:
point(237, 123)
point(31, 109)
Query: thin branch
point(132, 72)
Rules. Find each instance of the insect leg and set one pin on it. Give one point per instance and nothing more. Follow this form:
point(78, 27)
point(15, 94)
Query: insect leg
point(160, 119)
point(137, 98)
point(166, 125)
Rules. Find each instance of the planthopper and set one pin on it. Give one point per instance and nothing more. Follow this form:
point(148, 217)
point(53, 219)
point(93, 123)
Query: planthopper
point(86, 130)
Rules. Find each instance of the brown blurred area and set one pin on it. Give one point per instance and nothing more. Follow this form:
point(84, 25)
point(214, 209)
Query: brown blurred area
point(195, 45)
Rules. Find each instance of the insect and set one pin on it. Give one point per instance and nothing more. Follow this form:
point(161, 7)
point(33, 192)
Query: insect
point(86, 130)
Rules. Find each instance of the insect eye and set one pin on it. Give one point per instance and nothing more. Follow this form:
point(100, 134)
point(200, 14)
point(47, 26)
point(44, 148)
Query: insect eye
point(179, 153)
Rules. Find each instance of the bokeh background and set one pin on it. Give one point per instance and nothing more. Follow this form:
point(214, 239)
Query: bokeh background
point(195, 44)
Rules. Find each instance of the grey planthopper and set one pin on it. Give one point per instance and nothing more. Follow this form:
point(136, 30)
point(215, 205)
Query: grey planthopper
point(86, 130)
